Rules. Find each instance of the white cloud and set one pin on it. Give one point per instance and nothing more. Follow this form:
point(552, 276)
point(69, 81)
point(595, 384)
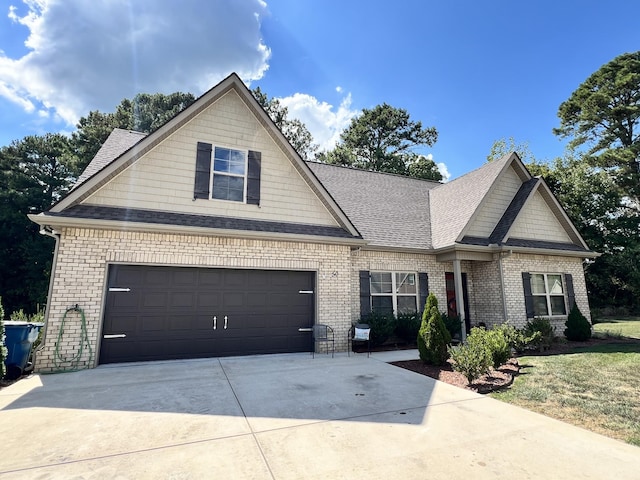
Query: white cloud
point(324, 121)
point(90, 55)
point(442, 168)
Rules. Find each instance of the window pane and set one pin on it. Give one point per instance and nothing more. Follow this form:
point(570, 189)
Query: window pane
point(537, 283)
point(382, 304)
point(405, 283)
point(407, 304)
point(228, 188)
point(222, 153)
point(540, 306)
point(381, 282)
point(557, 306)
point(221, 165)
point(555, 284)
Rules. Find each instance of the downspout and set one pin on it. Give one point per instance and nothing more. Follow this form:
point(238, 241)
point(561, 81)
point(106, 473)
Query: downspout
point(504, 296)
point(46, 230)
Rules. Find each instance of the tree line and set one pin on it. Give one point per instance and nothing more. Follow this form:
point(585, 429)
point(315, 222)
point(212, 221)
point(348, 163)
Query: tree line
point(597, 180)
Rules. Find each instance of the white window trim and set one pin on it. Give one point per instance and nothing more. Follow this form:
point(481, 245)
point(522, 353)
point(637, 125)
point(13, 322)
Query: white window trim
point(244, 176)
point(548, 295)
point(393, 294)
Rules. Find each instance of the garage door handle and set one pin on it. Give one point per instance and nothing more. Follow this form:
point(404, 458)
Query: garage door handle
point(215, 322)
point(225, 322)
point(117, 289)
point(305, 329)
point(115, 335)
point(306, 291)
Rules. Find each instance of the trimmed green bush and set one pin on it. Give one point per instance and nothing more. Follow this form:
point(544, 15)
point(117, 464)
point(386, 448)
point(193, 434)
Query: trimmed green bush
point(517, 339)
point(3, 349)
point(408, 326)
point(473, 359)
point(434, 334)
point(578, 327)
point(542, 325)
point(382, 326)
point(453, 325)
point(498, 345)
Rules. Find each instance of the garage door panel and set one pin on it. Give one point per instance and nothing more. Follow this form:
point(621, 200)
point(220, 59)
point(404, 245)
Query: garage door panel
point(168, 312)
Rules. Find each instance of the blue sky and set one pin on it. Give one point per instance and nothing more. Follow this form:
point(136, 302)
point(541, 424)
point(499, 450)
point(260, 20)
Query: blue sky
point(477, 71)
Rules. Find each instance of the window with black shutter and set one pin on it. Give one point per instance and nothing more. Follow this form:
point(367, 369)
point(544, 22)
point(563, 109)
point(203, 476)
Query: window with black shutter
point(227, 174)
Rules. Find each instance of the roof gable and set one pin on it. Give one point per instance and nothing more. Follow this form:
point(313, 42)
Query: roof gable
point(147, 162)
point(455, 204)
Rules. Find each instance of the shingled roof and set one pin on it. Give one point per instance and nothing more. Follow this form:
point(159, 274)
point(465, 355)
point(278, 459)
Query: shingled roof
point(453, 204)
point(388, 210)
point(118, 142)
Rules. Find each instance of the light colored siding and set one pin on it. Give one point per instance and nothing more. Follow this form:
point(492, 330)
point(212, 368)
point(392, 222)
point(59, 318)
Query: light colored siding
point(496, 204)
point(164, 178)
point(537, 222)
point(84, 256)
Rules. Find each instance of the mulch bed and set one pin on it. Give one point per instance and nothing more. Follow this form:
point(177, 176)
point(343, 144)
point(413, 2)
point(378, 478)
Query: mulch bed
point(495, 380)
point(503, 376)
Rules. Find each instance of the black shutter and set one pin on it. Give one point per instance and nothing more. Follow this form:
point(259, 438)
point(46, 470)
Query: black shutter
point(253, 178)
point(423, 290)
point(203, 171)
point(365, 293)
point(528, 295)
point(571, 297)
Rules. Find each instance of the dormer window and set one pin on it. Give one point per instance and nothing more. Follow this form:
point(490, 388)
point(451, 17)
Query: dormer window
point(228, 177)
point(228, 174)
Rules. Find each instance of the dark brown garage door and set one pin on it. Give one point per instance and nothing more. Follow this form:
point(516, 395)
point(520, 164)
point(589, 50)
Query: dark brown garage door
point(159, 313)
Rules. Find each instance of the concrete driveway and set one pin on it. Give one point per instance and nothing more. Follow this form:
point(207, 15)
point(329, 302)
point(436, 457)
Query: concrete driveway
point(285, 417)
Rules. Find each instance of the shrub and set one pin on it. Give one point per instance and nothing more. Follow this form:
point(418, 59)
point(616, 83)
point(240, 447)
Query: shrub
point(578, 327)
point(473, 359)
point(498, 346)
point(431, 302)
point(19, 316)
point(407, 326)
point(434, 334)
point(453, 325)
point(3, 349)
point(517, 339)
point(542, 325)
point(382, 326)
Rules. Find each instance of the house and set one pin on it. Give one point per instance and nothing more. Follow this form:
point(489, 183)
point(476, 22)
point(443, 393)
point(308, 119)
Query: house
point(212, 237)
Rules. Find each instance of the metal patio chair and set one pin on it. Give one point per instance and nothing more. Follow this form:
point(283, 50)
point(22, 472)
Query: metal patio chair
point(359, 333)
point(323, 334)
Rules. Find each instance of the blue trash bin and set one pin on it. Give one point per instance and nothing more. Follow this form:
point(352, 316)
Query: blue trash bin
point(20, 337)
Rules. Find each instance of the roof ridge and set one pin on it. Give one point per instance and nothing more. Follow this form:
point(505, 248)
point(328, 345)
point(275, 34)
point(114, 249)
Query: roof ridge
point(349, 167)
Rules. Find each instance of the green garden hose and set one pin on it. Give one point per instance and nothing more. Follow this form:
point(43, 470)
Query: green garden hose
point(72, 364)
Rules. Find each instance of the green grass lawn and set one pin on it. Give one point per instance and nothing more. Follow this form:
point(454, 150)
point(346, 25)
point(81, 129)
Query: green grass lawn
point(628, 327)
point(597, 387)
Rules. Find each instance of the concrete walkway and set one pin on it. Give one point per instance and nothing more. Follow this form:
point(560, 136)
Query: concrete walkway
point(285, 417)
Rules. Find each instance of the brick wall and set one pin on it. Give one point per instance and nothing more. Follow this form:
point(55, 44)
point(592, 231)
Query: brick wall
point(514, 265)
point(396, 262)
point(84, 255)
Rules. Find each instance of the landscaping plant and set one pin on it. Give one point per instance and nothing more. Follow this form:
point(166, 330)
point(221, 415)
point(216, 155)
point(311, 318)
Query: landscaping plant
point(408, 326)
point(517, 339)
point(473, 359)
point(433, 334)
point(498, 346)
point(382, 326)
point(578, 327)
point(542, 325)
point(453, 324)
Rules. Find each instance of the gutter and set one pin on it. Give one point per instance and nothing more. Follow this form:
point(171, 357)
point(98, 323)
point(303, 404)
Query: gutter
point(123, 226)
point(47, 230)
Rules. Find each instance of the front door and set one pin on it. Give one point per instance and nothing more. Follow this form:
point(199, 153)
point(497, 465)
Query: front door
point(452, 306)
